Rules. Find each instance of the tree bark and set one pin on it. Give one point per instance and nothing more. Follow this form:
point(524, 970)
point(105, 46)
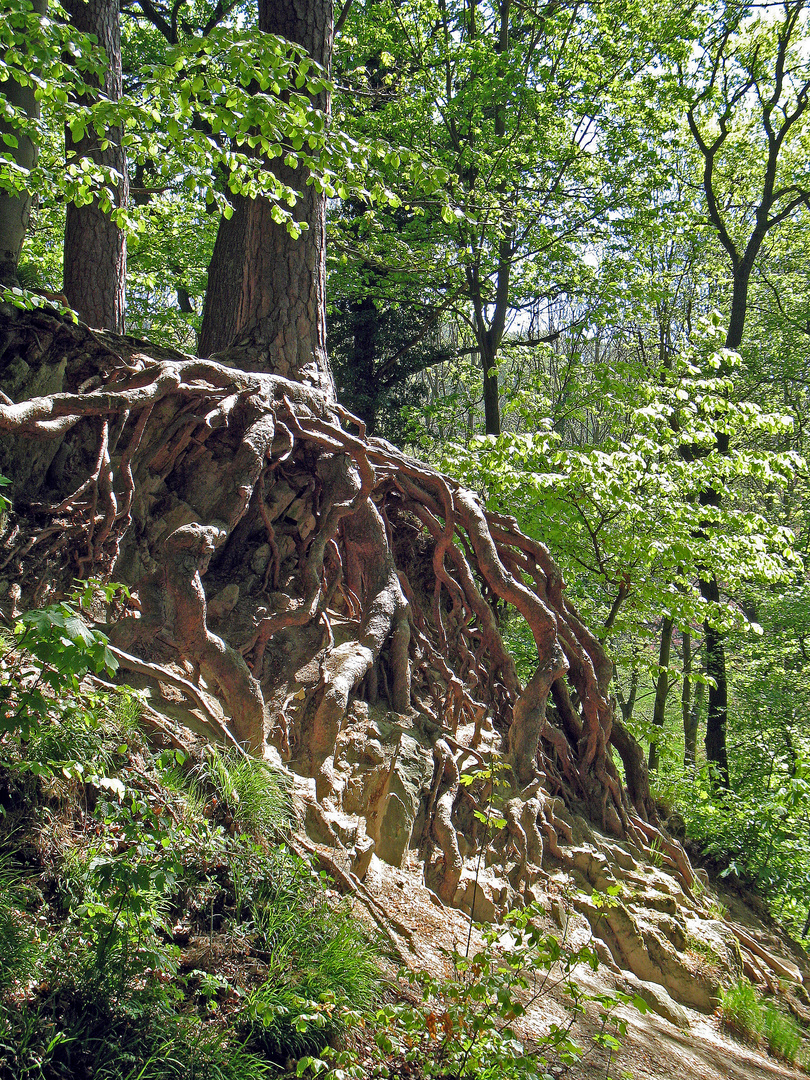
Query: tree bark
point(14, 209)
point(686, 705)
point(266, 291)
point(690, 736)
point(717, 711)
point(95, 247)
point(661, 690)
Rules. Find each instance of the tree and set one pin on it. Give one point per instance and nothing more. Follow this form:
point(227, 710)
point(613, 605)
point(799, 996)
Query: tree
point(261, 280)
point(516, 102)
point(289, 567)
point(15, 200)
point(749, 86)
point(95, 243)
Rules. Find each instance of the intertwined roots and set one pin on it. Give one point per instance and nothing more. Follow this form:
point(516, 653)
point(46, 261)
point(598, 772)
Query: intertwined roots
point(250, 501)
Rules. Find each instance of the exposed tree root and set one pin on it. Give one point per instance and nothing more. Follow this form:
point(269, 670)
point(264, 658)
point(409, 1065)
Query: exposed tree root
point(352, 569)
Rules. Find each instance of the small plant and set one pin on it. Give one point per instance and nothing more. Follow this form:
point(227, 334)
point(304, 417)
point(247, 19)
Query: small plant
point(702, 948)
point(463, 1026)
point(17, 951)
point(44, 659)
point(741, 1010)
point(781, 1033)
point(322, 971)
point(656, 853)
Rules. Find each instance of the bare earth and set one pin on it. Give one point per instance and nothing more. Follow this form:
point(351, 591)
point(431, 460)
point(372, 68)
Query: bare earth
point(652, 1049)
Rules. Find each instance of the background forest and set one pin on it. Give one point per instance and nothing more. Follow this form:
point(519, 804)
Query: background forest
point(566, 263)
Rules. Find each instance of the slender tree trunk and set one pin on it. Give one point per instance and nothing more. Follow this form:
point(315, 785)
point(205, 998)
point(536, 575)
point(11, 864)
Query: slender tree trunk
point(266, 291)
point(689, 733)
point(661, 691)
point(739, 300)
point(492, 405)
point(95, 247)
point(14, 209)
point(628, 707)
point(717, 712)
point(489, 332)
point(365, 327)
point(690, 736)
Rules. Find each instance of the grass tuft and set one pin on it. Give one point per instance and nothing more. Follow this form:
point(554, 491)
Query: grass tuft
point(247, 792)
point(745, 1014)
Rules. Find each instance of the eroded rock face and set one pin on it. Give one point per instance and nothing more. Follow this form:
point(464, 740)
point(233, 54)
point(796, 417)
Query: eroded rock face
point(645, 920)
point(382, 771)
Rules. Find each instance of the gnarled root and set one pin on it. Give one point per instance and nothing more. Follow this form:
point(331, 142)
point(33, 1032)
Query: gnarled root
point(187, 553)
point(445, 789)
point(381, 576)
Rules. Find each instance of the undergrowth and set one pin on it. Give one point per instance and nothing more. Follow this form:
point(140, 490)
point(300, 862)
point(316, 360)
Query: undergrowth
point(155, 923)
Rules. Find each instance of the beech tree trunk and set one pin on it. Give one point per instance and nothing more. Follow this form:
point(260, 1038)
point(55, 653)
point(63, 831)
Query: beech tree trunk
point(690, 736)
point(266, 290)
point(14, 209)
point(717, 708)
point(95, 247)
point(686, 704)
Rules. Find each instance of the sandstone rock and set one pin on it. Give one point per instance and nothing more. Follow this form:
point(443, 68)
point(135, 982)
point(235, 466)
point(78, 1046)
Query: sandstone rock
point(639, 945)
point(332, 827)
point(620, 854)
point(361, 856)
point(280, 497)
point(657, 999)
point(594, 866)
point(604, 955)
point(384, 771)
point(411, 774)
point(479, 898)
point(260, 559)
point(223, 602)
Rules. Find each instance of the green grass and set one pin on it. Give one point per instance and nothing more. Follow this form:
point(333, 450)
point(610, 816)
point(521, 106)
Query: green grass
point(17, 950)
point(746, 1014)
point(73, 1034)
point(781, 1033)
point(741, 1010)
point(246, 790)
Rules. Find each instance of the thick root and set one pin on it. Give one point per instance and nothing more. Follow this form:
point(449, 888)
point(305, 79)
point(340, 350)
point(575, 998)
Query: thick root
point(354, 570)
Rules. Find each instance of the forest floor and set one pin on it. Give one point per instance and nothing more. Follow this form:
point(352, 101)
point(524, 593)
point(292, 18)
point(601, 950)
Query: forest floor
point(652, 1048)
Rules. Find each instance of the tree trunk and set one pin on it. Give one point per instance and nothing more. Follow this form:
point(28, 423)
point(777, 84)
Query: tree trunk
point(628, 704)
point(686, 705)
point(661, 690)
point(14, 209)
point(95, 247)
point(717, 711)
point(367, 388)
point(690, 736)
point(489, 375)
point(266, 291)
